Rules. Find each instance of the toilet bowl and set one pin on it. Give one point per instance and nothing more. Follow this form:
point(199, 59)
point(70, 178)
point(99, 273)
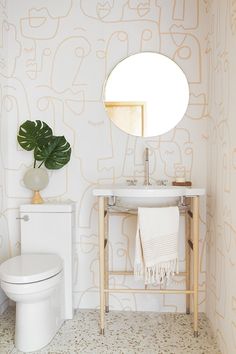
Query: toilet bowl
point(35, 283)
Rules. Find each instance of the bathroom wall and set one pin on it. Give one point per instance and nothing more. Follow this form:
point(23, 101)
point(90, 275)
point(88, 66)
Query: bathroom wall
point(4, 240)
point(4, 233)
point(59, 54)
point(221, 216)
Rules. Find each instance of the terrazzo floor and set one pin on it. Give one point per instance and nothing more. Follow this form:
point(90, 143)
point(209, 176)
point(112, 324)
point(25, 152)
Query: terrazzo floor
point(126, 333)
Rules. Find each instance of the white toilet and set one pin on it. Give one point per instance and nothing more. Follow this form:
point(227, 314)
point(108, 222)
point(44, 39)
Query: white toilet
point(40, 279)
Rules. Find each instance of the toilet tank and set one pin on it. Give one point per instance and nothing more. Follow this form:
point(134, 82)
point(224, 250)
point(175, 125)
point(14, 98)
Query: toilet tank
point(50, 228)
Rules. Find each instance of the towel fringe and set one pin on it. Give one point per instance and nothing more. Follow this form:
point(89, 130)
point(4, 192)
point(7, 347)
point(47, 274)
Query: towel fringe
point(157, 274)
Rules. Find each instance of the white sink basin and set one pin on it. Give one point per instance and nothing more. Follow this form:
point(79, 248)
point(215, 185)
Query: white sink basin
point(146, 191)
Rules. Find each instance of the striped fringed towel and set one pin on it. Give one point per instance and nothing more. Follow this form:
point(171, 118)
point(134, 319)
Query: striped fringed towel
point(156, 254)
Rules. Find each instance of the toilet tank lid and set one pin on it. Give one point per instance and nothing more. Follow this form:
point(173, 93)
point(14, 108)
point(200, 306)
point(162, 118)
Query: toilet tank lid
point(48, 208)
point(30, 268)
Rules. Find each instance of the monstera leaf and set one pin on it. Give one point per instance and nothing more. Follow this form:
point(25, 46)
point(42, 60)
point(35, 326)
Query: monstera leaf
point(55, 154)
point(52, 151)
point(31, 132)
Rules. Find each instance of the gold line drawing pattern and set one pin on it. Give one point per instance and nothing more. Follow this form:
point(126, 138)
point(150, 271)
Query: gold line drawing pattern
point(54, 60)
point(221, 208)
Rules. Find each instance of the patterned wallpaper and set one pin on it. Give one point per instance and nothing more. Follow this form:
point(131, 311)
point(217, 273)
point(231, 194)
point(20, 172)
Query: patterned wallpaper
point(55, 56)
point(4, 232)
point(221, 205)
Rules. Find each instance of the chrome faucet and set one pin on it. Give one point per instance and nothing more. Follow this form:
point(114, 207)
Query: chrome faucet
point(146, 166)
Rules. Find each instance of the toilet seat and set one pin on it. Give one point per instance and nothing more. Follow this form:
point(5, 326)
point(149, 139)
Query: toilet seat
point(30, 268)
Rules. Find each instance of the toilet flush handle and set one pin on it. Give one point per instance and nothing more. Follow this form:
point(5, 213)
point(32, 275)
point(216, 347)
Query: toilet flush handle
point(25, 218)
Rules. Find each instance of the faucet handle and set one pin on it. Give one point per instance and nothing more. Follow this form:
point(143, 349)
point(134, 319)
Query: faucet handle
point(131, 182)
point(162, 182)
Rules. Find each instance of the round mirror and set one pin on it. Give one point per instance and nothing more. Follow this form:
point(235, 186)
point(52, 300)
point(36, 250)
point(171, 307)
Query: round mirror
point(146, 94)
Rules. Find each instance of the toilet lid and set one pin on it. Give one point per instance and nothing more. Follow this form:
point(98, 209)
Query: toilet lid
point(30, 268)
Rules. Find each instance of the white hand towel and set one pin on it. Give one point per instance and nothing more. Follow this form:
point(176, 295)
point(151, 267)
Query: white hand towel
point(156, 255)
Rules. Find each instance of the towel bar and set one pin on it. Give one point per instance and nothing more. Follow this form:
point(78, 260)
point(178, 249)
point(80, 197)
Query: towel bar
point(117, 209)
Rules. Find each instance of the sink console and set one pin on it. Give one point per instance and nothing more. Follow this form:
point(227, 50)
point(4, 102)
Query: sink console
point(148, 191)
point(188, 204)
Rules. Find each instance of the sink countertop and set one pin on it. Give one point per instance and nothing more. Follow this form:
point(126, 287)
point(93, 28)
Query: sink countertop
point(146, 191)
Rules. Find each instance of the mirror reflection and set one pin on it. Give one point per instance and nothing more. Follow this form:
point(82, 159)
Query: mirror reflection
point(146, 94)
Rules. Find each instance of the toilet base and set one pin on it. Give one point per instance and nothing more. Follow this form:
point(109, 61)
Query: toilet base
point(38, 322)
